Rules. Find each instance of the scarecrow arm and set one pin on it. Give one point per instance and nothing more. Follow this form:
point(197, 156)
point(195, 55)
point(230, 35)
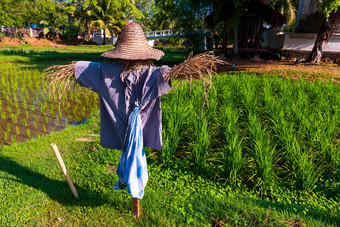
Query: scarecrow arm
point(88, 74)
point(67, 77)
point(199, 67)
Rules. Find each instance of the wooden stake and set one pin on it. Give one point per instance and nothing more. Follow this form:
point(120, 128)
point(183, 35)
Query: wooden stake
point(63, 167)
point(135, 207)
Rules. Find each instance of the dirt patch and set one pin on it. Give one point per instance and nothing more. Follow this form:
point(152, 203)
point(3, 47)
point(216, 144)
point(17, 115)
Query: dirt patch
point(286, 68)
point(31, 41)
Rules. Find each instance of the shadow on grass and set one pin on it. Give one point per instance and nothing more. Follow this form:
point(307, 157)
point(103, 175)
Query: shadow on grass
point(248, 211)
point(55, 189)
point(305, 210)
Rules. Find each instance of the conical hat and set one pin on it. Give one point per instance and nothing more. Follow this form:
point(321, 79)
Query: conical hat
point(133, 45)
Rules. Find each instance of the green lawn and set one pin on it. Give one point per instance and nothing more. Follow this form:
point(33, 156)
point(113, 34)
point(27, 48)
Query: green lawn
point(190, 181)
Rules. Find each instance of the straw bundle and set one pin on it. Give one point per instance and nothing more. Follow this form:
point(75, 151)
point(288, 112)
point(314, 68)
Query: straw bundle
point(198, 67)
point(61, 79)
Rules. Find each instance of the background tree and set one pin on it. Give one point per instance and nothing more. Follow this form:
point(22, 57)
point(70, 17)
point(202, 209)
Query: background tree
point(54, 20)
point(147, 8)
point(111, 15)
point(165, 14)
point(14, 13)
point(81, 10)
point(331, 11)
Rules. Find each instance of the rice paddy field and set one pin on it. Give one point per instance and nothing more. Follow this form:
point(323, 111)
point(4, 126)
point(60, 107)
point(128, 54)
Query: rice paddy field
point(258, 150)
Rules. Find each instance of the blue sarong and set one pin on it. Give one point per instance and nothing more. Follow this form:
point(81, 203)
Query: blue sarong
point(132, 169)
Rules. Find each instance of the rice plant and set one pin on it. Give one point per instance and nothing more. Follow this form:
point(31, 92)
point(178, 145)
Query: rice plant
point(262, 151)
point(175, 116)
point(301, 167)
point(230, 155)
point(200, 141)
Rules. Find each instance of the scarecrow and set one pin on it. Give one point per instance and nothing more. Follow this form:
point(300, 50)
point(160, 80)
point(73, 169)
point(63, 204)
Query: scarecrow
point(130, 89)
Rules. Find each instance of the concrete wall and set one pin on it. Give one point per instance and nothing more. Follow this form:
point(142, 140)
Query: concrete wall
point(99, 40)
point(305, 42)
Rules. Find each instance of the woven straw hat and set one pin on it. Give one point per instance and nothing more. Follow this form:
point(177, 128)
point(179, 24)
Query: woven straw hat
point(133, 45)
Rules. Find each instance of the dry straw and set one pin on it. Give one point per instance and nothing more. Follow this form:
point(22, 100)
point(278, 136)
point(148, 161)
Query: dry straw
point(199, 67)
point(61, 79)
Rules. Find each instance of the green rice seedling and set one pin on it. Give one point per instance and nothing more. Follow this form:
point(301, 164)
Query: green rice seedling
point(8, 130)
point(44, 128)
point(18, 130)
point(35, 125)
point(57, 121)
point(16, 104)
point(200, 141)
point(305, 171)
point(249, 101)
point(263, 153)
point(59, 111)
point(212, 105)
point(13, 139)
point(230, 155)
point(28, 132)
point(46, 119)
point(33, 106)
point(10, 102)
point(24, 121)
point(301, 165)
point(15, 99)
point(3, 115)
point(14, 118)
point(52, 109)
point(5, 134)
point(27, 114)
point(83, 112)
point(24, 104)
point(174, 117)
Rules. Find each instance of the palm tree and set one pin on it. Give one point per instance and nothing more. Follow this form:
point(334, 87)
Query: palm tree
point(112, 15)
point(288, 8)
point(164, 14)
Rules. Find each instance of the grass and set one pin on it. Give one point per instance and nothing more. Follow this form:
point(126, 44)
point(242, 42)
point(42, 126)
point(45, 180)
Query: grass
point(283, 136)
point(36, 192)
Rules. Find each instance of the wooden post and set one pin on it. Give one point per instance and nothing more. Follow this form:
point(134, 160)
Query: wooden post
point(63, 167)
point(135, 207)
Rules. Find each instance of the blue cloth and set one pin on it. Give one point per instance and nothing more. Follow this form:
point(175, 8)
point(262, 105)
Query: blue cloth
point(132, 169)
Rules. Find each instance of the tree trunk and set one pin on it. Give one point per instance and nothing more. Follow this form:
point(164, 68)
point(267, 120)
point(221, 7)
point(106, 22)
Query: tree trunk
point(235, 48)
point(225, 35)
point(88, 31)
point(326, 31)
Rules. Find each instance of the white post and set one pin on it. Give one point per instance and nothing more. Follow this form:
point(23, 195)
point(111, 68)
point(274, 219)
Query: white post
point(31, 32)
point(63, 167)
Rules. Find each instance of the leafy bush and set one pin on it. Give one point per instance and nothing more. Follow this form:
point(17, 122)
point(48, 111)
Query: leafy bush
point(71, 32)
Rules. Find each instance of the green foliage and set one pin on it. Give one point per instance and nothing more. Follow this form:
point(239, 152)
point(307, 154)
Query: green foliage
point(71, 32)
point(329, 6)
point(270, 132)
point(112, 15)
point(16, 13)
